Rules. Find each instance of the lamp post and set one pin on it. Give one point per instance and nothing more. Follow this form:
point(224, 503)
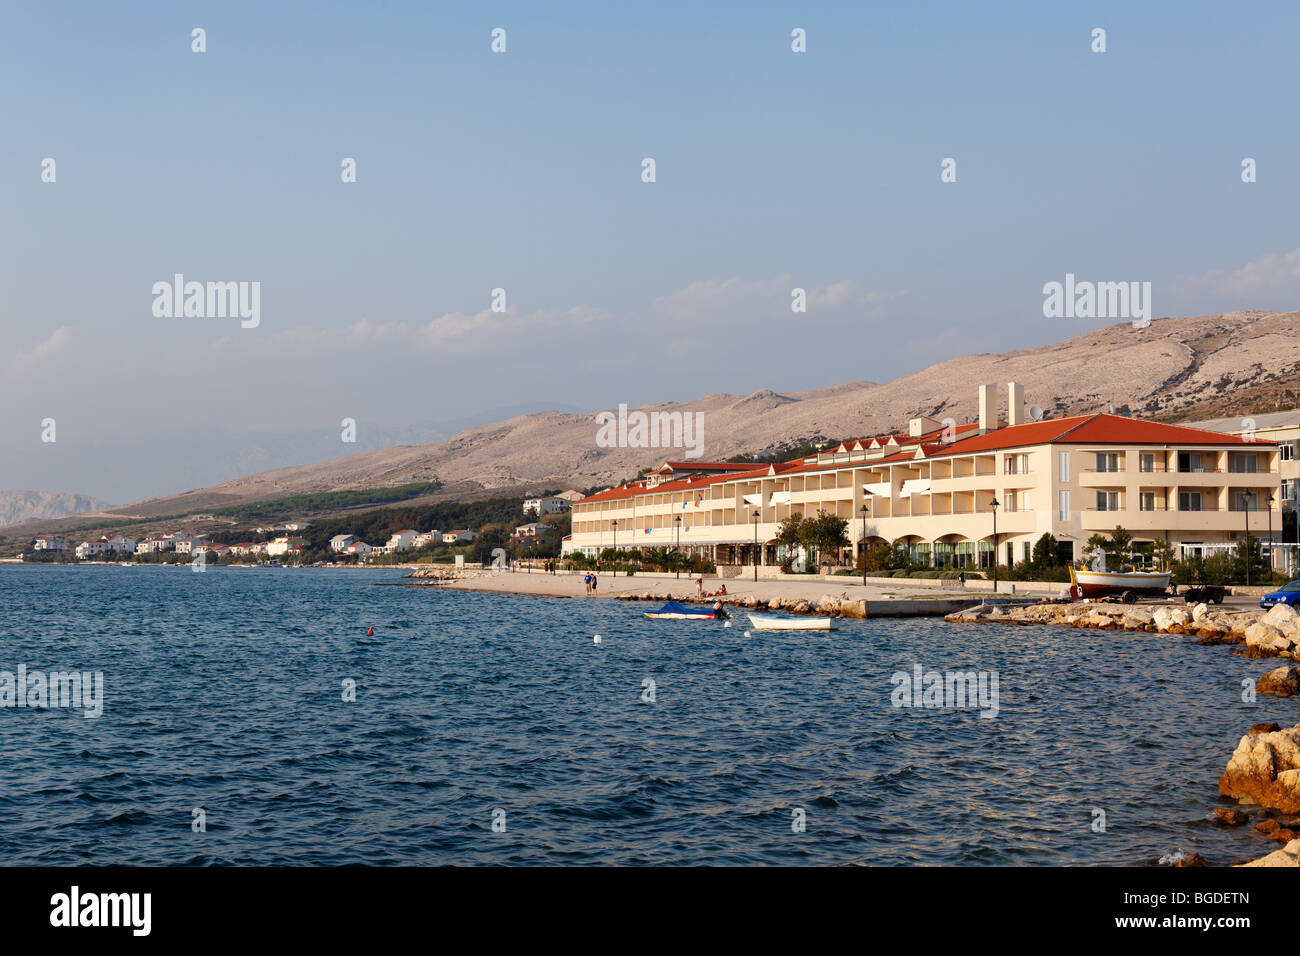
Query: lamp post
point(862, 544)
point(756, 516)
point(1245, 555)
point(994, 505)
point(1270, 535)
point(677, 523)
point(613, 564)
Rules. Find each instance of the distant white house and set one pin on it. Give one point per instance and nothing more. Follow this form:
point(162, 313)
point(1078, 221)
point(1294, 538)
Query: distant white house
point(552, 505)
point(192, 545)
point(533, 529)
point(119, 542)
point(359, 547)
point(571, 496)
point(89, 548)
point(426, 538)
point(462, 536)
point(283, 546)
point(401, 540)
point(341, 542)
point(248, 548)
point(51, 542)
point(297, 526)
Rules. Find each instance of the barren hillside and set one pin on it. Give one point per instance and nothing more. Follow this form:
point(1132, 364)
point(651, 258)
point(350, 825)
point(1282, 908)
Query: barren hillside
point(1174, 369)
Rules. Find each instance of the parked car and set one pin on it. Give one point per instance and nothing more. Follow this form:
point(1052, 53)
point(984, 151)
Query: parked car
point(1289, 593)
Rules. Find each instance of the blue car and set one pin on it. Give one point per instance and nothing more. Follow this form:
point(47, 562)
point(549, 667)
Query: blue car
point(1288, 594)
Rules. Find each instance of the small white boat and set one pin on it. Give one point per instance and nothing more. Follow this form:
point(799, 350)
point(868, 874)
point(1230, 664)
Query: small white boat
point(775, 622)
point(1095, 584)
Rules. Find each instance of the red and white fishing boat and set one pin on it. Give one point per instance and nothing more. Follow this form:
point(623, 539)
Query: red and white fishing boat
point(1095, 584)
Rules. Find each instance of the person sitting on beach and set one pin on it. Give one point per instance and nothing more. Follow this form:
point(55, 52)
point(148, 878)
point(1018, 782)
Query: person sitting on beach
point(699, 588)
point(723, 590)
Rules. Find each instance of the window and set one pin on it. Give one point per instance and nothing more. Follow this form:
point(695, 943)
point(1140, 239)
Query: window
point(1147, 501)
point(1026, 550)
point(1063, 466)
point(1286, 451)
point(1190, 461)
point(1063, 504)
point(1016, 465)
point(1107, 461)
point(1108, 501)
point(1245, 464)
point(1147, 461)
point(1189, 501)
point(1012, 500)
point(1288, 489)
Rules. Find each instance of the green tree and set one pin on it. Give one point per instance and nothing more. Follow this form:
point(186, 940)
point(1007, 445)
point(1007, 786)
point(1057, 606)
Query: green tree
point(1163, 552)
point(1046, 553)
point(827, 533)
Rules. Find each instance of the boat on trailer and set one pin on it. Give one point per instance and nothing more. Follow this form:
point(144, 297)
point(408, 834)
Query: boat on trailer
point(1125, 584)
point(675, 611)
point(775, 622)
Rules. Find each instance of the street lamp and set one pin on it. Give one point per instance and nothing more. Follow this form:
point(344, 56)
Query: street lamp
point(1270, 535)
point(994, 505)
point(677, 522)
point(756, 516)
point(1245, 554)
point(862, 545)
point(613, 564)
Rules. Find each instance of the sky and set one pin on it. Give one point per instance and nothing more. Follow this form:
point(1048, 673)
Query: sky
point(523, 171)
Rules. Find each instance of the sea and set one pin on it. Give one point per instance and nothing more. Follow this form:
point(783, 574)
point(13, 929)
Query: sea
point(249, 717)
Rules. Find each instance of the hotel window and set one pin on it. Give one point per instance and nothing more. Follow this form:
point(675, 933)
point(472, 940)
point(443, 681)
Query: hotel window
point(1190, 461)
point(1147, 461)
point(1012, 500)
point(1245, 464)
point(1147, 501)
point(1189, 501)
point(1063, 466)
point(1286, 451)
point(1016, 465)
point(1063, 505)
point(1107, 461)
point(1108, 501)
point(1288, 489)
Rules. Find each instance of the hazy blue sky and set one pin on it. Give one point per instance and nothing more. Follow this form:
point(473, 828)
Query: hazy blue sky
point(522, 171)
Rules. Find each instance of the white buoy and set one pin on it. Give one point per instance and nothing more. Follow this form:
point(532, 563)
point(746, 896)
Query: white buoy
point(596, 640)
point(726, 624)
point(747, 633)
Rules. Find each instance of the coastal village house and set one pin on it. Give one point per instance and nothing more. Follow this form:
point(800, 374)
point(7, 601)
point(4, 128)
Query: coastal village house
point(552, 505)
point(340, 542)
point(462, 536)
point(50, 542)
point(930, 491)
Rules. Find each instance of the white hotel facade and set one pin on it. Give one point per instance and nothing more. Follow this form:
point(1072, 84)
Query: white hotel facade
point(931, 491)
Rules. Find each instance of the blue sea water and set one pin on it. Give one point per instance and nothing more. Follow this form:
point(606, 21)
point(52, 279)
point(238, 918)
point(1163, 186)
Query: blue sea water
point(224, 691)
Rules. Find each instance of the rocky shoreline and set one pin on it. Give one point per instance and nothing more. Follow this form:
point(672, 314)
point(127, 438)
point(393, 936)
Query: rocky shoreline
point(1264, 771)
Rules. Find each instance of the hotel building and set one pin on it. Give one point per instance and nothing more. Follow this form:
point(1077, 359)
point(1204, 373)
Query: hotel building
point(931, 491)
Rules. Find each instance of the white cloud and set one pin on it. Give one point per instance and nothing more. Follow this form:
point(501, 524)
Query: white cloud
point(1271, 280)
point(19, 361)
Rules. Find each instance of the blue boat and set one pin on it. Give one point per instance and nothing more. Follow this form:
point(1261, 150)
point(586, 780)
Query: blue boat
point(674, 611)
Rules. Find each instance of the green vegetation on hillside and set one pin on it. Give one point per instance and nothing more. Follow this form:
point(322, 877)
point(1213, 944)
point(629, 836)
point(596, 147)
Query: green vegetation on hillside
point(325, 501)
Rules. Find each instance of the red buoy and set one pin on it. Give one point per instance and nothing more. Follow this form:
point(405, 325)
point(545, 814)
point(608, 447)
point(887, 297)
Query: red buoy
point(370, 632)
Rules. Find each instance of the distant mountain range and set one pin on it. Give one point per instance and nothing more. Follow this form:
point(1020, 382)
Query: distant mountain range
point(19, 506)
point(1173, 370)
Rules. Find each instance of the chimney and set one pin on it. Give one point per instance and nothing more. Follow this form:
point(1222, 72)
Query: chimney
point(1015, 404)
point(988, 408)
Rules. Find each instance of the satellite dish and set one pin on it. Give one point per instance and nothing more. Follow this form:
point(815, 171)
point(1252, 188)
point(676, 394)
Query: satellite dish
point(1035, 413)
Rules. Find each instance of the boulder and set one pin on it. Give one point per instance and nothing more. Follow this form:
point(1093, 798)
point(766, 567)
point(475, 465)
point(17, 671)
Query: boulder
point(1266, 639)
point(1194, 860)
point(1268, 728)
point(1283, 682)
point(1265, 770)
point(1280, 614)
point(1289, 855)
point(1200, 612)
point(1230, 816)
